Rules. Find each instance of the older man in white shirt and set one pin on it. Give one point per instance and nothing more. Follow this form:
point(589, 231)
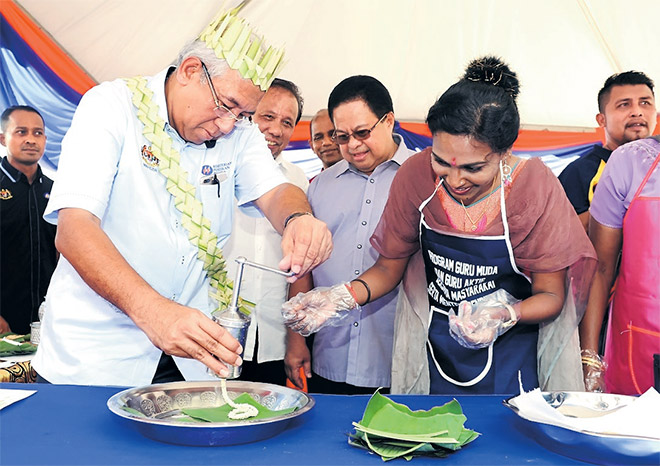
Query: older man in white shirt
point(255, 238)
point(144, 203)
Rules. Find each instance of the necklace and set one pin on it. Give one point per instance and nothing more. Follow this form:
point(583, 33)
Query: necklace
point(483, 212)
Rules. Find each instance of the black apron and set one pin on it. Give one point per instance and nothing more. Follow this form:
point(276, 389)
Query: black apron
point(460, 267)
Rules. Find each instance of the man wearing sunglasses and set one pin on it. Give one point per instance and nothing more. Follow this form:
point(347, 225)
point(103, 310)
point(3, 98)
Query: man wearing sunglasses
point(140, 228)
point(350, 197)
point(255, 238)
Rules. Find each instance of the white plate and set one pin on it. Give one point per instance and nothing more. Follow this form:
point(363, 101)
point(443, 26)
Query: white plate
point(604, 449)
point(160, 407)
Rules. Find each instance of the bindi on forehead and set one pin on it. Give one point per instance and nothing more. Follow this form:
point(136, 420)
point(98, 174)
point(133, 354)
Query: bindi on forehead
point(453, 161)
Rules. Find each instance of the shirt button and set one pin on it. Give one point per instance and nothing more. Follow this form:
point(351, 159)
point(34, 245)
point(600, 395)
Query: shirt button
point(364, 222)
point(359, 246)
point(355, 324)
point(368, 201)
point(357, 272)
point(183, 259)
point(372, 180)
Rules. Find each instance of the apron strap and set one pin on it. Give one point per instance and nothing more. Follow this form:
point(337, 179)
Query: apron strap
point(648, 175)
point(428, 199)
point(505, 222)
point(469, 383)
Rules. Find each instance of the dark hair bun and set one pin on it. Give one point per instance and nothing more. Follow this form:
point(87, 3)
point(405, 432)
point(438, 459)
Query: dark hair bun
point(492, 70)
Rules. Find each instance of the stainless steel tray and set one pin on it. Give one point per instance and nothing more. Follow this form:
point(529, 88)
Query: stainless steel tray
point(589, 446)
point(161, 418)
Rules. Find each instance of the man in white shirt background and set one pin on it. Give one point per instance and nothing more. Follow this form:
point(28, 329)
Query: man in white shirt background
point(255, 239)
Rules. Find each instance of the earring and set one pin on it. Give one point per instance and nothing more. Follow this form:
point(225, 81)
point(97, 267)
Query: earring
point(506, 173)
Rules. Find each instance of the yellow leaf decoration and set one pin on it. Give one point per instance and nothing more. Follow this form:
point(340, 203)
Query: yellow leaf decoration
point(234, 40)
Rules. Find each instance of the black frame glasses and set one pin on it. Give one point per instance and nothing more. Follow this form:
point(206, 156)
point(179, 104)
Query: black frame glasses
point(360, 135)
point(220, 110)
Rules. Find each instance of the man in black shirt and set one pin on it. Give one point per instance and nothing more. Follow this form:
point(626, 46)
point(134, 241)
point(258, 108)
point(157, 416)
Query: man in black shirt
point(27, 242)
point(626, 111)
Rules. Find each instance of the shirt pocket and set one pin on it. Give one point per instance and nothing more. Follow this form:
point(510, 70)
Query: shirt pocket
point(217, 198)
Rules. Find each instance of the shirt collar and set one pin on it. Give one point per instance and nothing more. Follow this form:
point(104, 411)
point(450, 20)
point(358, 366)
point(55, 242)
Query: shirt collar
point(399, 157)
point(15, 174)
point(602, 153)
point(402, 151)
point(157, 86)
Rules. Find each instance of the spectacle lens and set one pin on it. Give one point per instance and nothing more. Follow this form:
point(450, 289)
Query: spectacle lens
point(224, 113)
point(220, 110)
point(360, 135)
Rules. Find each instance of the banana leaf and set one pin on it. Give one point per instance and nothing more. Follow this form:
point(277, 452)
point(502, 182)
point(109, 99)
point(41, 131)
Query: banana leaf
point(8, 349)
point(219, 414)
point(389, 450)
point(393, 430)
point(437, 437)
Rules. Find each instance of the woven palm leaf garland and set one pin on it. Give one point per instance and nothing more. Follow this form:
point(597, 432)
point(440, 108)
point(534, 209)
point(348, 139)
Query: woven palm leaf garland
point(197, 226)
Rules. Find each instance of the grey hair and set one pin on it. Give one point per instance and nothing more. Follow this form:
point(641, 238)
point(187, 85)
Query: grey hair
point(197, 48)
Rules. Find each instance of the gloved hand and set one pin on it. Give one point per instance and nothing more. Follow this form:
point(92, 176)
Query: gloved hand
point(307, 313)
point(478, 325)
point(593, 368)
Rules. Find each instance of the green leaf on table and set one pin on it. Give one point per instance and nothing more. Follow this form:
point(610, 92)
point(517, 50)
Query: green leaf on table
point(434, 437)
point(388, 451)
point(220, 413)
point(393, 430)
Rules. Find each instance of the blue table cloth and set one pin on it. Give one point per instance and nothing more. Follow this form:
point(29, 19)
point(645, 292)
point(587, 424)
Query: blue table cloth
point(71, 425)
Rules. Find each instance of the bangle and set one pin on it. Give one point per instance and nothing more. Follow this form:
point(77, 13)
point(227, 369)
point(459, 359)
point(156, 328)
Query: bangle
point(366, 287)
point(592, 359)
point(294, 215)
point(512, 313)
point(592, 362)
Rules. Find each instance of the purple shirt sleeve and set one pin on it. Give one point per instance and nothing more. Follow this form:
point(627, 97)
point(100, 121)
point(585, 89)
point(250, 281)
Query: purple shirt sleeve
point(624, 172)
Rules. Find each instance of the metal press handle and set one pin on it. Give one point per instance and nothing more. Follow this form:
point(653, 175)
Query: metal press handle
point(242, 262)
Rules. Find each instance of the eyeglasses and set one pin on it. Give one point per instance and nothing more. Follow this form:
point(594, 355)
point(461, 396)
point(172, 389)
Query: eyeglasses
point(220, 110)
point(360, 135)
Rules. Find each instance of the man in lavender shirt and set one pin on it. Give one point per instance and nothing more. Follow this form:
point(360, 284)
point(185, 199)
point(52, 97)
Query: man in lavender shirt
point(350, 196)
point(625, 221)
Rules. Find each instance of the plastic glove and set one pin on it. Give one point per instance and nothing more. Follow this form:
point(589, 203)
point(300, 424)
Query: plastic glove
point(593, 368)
point(478, 325)
point(307, 313)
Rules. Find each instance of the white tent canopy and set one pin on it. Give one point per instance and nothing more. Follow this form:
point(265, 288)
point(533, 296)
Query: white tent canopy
point(562, 50)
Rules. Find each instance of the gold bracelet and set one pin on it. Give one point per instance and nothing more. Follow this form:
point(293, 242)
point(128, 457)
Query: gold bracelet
point(592, 362)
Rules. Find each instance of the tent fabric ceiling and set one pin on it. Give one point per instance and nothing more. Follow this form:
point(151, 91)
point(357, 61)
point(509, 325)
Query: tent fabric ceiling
point(562, 50)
